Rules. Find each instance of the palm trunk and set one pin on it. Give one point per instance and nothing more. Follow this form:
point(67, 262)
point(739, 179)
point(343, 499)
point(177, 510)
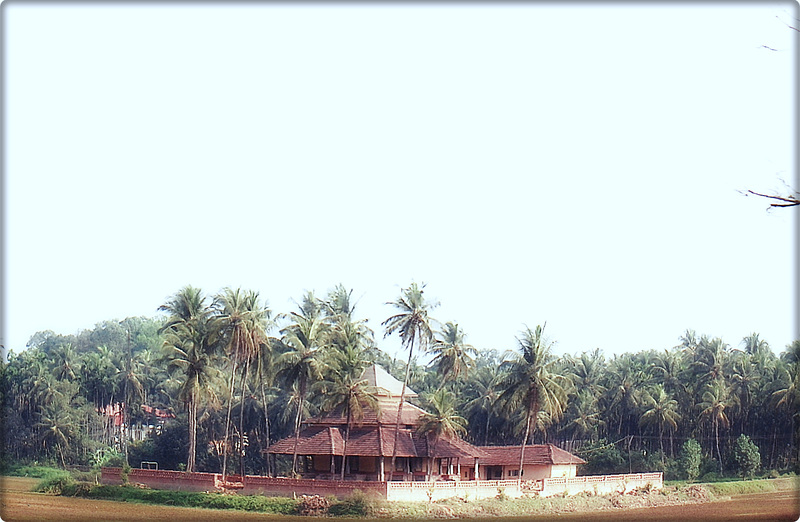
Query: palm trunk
point(346, 438)
point(400, 410)
point(228, 424)
point(524, 442)
point(716, 436)
point(192, 432)
point(266, 422)
point(486, 431)
point(300, 401)
point(240, 452)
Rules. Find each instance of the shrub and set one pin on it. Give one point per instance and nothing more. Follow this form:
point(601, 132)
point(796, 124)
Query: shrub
point(358, 504)
point(54, 484)
point(603, 458)
point(691, 459)
point(746, 456)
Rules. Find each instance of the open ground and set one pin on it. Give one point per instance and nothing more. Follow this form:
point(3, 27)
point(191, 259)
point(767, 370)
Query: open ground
point(20, 504)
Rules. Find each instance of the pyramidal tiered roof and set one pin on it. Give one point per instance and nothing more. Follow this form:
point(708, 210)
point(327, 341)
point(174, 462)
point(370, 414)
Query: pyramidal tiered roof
point(386, 385)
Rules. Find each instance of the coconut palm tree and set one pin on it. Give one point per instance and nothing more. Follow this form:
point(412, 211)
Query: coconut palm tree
point(186, 349)
point(442, 422)
point(587, 371)
point(483, 387)
point(531, 385)
point(237, 326)
point(302, 362)
point(453, 357)
point(344, 390)
point(716, 400)
point(56, 428)
point(414, 326)
point(787, 396)
point(584, 417)
point(661, 410)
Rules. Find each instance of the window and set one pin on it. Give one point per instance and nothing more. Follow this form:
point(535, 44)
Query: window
point(513, 472)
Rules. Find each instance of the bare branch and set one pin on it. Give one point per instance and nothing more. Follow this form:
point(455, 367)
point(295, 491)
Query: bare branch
point(791, 201)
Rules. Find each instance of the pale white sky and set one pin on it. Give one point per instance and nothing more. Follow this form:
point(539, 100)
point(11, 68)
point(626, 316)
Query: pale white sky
point(570, 163)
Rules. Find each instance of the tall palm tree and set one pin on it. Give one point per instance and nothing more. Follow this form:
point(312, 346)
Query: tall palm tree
point(483, 387)
point(186, 348)
point(346, 391)
point(626, 380)
point(302, 362)
point(453, 357)
point(787, 396)
point(710, 361)
point(716, 399)
point(531, 385)
point(661, 410)
point(414, 326)
point(442, 423)
point(583, 415)
point(587, 371)
point(66, 362)
point(56, 427)
point(238, 326)
point(265, 376)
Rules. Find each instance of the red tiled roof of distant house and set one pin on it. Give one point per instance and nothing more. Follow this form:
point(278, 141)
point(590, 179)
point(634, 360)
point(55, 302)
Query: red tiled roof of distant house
point(536, 454)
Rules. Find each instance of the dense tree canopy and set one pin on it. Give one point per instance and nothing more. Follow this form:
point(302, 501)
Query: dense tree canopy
point(174, 382)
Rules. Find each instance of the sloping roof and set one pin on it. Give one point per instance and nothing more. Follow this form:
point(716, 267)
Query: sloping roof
point(374, 442)
point(371, 441)
point(385, 384)
point(313, 441)
point(536, 454)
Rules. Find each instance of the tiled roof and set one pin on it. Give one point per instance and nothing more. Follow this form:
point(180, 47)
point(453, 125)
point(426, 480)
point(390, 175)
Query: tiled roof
point(372, 441)
point(535, 454)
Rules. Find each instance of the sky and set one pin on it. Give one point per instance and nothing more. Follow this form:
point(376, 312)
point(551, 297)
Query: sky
point(579, 165)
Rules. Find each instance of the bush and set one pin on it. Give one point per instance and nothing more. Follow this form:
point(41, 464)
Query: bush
point(603, 458)
point(54, 484)
point(358, 504)
point(34, 471)
point(747, 456)
point(690, 459)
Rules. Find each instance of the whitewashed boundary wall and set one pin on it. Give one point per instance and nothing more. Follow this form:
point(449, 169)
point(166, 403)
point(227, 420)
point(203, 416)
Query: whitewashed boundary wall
point(476, 489)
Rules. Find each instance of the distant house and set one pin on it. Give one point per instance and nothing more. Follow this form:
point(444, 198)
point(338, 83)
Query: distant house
point(369, 449)
point(541, 461)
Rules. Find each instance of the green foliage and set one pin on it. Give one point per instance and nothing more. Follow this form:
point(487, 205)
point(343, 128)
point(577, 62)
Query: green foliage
point(52, 391)
point(33, 471)
point(258, 503)
point(603, 458)
point(107, 457)
point(54, 483)
point(691, 458)
point(747, 456)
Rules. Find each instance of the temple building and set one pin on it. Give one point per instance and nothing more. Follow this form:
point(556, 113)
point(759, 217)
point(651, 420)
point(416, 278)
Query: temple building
point(321, 447)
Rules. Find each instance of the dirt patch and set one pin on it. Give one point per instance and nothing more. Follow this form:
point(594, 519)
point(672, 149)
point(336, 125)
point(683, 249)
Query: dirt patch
point(20, 504)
